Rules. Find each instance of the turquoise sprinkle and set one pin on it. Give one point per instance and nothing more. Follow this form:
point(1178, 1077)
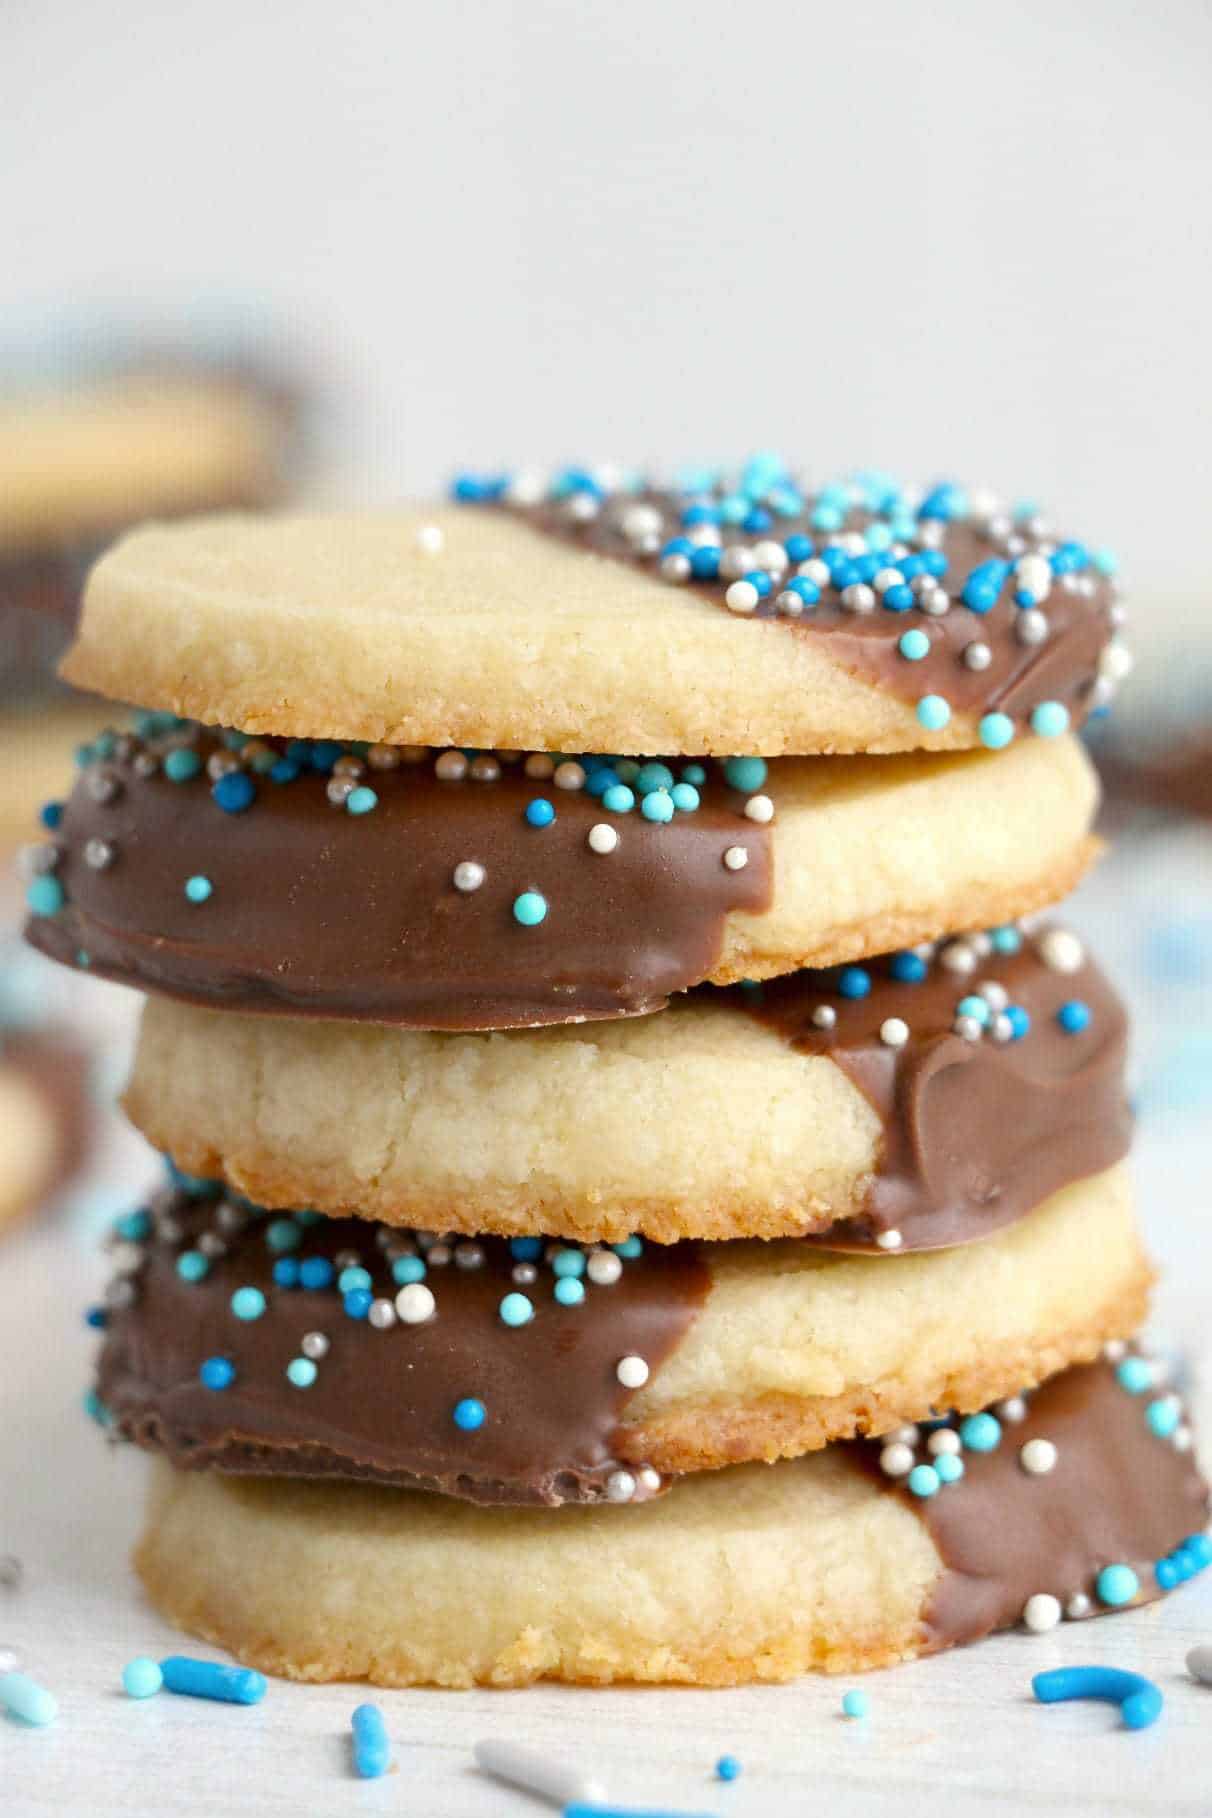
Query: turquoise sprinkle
point(248, 1303)
point(469, 1414)
point(1005, 940)
point(853, 981)
point(530, 908)
point(915, 645)
point(198, 889)
point(180, 765)
point(302, 1372)
point(657, 807)
point(351, 1278)
point(569, 1291)
point(975, 1007)
point(727, 1768)
point(695, 774)
point(933, 712)
point(408, 1268)
point(361, 800)
point(568, 1262)
point(1074, 1016)
point(142, 1678)
point(923, 1480)
point(1116, 1585)
point(653, 776)
point(1050, 719)
point(981, 1433)
point(44, 896)
point(629, 1249)
point(282, 1234)
point(193, 1266)
point(1135, 1375)
point(949, 1467)
point(684, 796)
point(855, 1704)
point(96, 1409)
point(745, 773)
point(1163, 1417)
point(618, 799)
point(516, 1310)
point(627, 770)
point(996, 731)
point(133, 1227)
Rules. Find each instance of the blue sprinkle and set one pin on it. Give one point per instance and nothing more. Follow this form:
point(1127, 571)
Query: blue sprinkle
point(727, 1768)
point(1167, 1574)
point(933, 711)
point(855, 1704)
point(248, 1303)
point(133, 1227)
point(599, 781)
point(685, 797)
point(908, 968)
point(629, 1249)
point(705, 563)
point(283, 771)
point(943, 503)
point(353, 1277)
point(44, 896)
point(949, 1467)
point(1139, 1700)
point(757, 522)
point(618, 799)
point(701, 512)
point(569, 1291)
point(181, 765)
point(540, 812)
point(981, 1433)
point(361, 800)
point(357, 1302)
point(529, 909)
point(1162, 1417)
point(234, 792)
point(996, 731)
point(568, 1262)
point(526, 1249)
point(695, 774)
point(406, 1269)
point(653, 776)
point(142, 1678)
point(286, 1272)
point(899, 598)
point(199, 889)
point(96, 1409)
point(923, 1480)
point(1050, 719)
point(301, 1372)
point(217, 1373)
point(371, 1746)
point(1074, 1016)
point(975, 1007)
point(678, 546)
point(282, 1234)
point(1116, 1585)
point(657, 806)
point(208, 1679)
point(745, 773)
point(799, 548)
point(97, 1318)
point(323, 754)
point(315, 1272)
point(853, 982)
point(1134, 1374)
point(51, 815)
point(806, 590)
point(516, 1310)
point(1005, 940)
point(759, 579)
point(1019, 1020)
point(469, 1414)
point(193, 1266)
point(914, 645)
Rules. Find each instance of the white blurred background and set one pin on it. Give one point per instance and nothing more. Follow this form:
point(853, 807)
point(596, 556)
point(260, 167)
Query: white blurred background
point(945, 239)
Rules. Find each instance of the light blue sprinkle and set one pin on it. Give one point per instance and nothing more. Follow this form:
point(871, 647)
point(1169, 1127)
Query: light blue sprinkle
point(1019, 1020)
point(996, 731)
point(1135, 1375)
point(855, 1704)
point(1106, 561)
point(629, 1249)
point(745, 773)
point(181, 765)
point(408, 1268)
point(653, 776)
point(618, 799)
point(569, 1291)
point(516, 1310)
point(694, 774)
point(914, 645)
point(44, 895)
point(981, 1433)
point(933, 712)
point(193, 1266)
point(568, 1262)
point(141, 1677)
point(302, 1372)
point(949, 1466)
point(1163, 1416)
point(1116, 1585)
point(685, 797)
point(727, 1768)
point(361, 800)
point(352, 1278)
point(1005, 940)
point(371, 1746)
point(923, 1480)
point(248, 1303)
point(1050, 719)
point(530, 909)
point(199, 889)
point(658, 807)
point(975, 1007)
point(211, 1679)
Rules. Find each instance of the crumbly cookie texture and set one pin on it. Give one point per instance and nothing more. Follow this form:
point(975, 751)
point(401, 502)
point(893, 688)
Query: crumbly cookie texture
point(442, 625)
point(320, 1582)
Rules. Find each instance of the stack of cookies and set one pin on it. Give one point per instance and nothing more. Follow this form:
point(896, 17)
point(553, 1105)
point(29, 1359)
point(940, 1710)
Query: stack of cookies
point(656, 1216)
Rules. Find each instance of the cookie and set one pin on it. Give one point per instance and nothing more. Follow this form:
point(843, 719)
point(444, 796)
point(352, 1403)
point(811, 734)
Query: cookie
point(505, 1373)
point(307, 878)
point(591, 619)
point(826, 1563)
point(923, 1099)
point(43, 1117)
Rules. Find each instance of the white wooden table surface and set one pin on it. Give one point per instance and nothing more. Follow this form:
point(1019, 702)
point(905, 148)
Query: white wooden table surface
point(957, 1734)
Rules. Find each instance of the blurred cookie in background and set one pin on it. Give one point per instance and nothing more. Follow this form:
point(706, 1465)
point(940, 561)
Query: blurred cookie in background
point(1154, 751)
point(45, 1118)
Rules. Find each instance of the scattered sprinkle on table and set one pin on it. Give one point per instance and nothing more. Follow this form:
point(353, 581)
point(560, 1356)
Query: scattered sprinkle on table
point(727, 1768)
point(142, 1678)
point(545, 1775)
point(1199, 1664)
point(32, 1703)
point(371, 1743)
point(855, 1704)
point(1139, 1700)
point(210, 1679)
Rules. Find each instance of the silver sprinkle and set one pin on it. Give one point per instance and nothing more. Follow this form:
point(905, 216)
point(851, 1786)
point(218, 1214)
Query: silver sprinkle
point(859, 597)
point(120, 1293)
point(314, 1345)
point(230, 1217)
point(338, 789)
point(524, 1274)
point(211, 1244)
point(825, 1016)
point(98, 854)
point(348, 765)
point(967, 1028)
point(469, 1256)
point(144, 764)
point(348, 1259)
point(1031, 626)
point(381, 1314)
point(102, 785)
point(977, 655)
point(438, 1255)
point(221, 763)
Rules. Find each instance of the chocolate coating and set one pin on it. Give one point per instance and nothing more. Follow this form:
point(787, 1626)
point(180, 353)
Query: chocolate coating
point(1116, 1495)
point(975, 1133)
point(1019, 675)
point(316, 911)
point(381, 1406)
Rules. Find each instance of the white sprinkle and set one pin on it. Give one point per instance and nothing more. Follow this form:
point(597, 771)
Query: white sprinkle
point(742, 596)
point(468, 875)
point(889, 1240)
point(1077, 1606)
point(641, 521)
point(886, 578)
point(759, 808)
point(582, 507)
point(815, 570)
point(527, 488)
point(977, 655)
point(1013, 1409)
point(603, 1267)
point(736, 858)
point(736, 560)
point(539, 766)
point(1061, 949)
point(1038, 1457)
point(1031, 626)
point(620, 1486)
point(897, 1459)
point(127, 1258)
point(1034, 574)
point(430, 540)
point(569, 775)
point(314, 1345)
point(824, 1017)
point(632, 1372)
point(907, 1435)
point(381, 1315)
point(858, 598)
point(770, 556)
point(790, 604)
point(676, 566)
point(945, 1440)
point(602, 837)
point(649, 1479)
point(995, 995)
point(415, 1303)
point(967, 1028)
point(1181, 1439)
point(541, 1774)
point(1199, 1664)
point(1041, 1613)
point(451, 767)
point(894, 1032)
point(1114, 1350)
point(1116, 661)
point(937, 602)
point(958, 956)
point(485, 769)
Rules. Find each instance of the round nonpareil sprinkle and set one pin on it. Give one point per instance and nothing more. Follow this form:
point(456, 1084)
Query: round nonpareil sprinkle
point(141, 1677)
point(530, 909)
